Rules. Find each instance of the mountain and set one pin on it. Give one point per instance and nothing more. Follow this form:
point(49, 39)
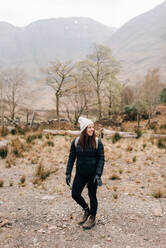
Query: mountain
point(45, 40)
point(140, 44)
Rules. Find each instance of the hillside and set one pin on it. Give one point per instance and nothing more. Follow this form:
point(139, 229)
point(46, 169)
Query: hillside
point(45, 40)
point(140, 44)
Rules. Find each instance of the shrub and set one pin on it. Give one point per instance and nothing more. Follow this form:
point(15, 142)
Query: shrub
point(50, 143)
point(3, 152)
point(134, 159)
point(42, 173)
point(47, 136)
point(163, 95)
point(39, 136)
point(11, 183)
point(158, 193)
point(22, 179)
point(163, 126)
point(30, 138)
point(11, 160)
point(21, 131)
point(129, 148)
point(4, 131)
point(18, 147)
point(1, 183)
point(115, 195)
point(116, 137)
point(144, 145)
point(13, 131)
point(153, 125)
point(114, 177)
point(138, 133)
point(131, 112)
point(161, 144)
point(158, 113)
point(37, 181)
point(115, 188)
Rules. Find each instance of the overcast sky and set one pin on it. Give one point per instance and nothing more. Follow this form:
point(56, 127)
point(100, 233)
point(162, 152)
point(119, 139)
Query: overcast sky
point(109, 12)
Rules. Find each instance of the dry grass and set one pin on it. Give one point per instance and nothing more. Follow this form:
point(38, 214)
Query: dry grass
point(115, 195)
point(114, 176)
point(1, 182)
point(10, 161)
point(130, 160)
point(42, 173)
point(23, 179)
point(4, 131)
point(159, 192)
point(17, 147)
point(11, 183)
point(129, 148)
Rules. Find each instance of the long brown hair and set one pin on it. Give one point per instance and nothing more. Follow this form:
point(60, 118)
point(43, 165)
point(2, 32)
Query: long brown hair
point(85, 140)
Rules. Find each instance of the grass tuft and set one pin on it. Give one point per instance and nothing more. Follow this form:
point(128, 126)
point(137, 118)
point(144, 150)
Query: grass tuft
point(116, 138)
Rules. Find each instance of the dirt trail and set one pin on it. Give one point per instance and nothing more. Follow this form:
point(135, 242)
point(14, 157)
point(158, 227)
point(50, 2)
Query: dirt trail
point(39, 219)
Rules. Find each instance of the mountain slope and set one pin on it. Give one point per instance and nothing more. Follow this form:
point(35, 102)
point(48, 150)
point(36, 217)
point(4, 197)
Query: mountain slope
point(45, 40)
point(141, 43)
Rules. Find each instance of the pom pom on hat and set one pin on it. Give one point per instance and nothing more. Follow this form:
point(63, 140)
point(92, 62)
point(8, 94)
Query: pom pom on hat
point(84, 122)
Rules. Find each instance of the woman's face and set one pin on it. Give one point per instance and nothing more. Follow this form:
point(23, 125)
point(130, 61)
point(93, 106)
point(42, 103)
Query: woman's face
point(90, 130)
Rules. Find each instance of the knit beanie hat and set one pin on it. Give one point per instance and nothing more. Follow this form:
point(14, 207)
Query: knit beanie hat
point(84, 122)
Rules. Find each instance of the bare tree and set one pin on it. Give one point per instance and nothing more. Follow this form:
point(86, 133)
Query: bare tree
point(58, 77)
point(14, 79)
point(150, 91)
point(99, 68)
point(77, 102)
point(113, 92)
point(127, 95)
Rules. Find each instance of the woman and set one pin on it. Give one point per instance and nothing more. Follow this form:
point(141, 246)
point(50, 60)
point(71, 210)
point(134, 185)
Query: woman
point(89, 152)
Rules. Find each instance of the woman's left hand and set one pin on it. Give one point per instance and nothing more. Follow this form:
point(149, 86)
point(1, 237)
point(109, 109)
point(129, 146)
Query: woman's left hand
point(98, 180)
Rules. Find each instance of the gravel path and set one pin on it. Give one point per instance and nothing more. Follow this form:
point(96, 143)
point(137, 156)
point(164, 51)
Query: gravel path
point(39, 219)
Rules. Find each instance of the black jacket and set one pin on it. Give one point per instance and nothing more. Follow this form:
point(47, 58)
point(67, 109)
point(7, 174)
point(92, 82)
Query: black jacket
point(89, 162)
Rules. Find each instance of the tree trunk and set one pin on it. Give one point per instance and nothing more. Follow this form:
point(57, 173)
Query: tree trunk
point(99, 105)
point(57, 106)
point(33, 117)
point(110, 104)
point(13, 113)
point(138, 120)
point(149, 119)
point(27, 117)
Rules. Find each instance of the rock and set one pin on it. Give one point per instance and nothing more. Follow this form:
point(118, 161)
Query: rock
point(74, 133)
point(3, 143)
point(157, 212)
point(41, 231)
point(96, 246)
point(4, 223)
point(48, 197)
point(54, 132)
point(52, 228)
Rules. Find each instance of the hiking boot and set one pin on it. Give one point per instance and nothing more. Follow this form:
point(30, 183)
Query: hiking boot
point(85, 216)
point(90, 222)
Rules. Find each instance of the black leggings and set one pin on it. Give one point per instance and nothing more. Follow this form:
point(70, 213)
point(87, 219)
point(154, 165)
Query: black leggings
point(77, 188)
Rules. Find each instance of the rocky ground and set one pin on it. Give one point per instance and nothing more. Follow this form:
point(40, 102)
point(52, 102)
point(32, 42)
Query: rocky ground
point(132, 203)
